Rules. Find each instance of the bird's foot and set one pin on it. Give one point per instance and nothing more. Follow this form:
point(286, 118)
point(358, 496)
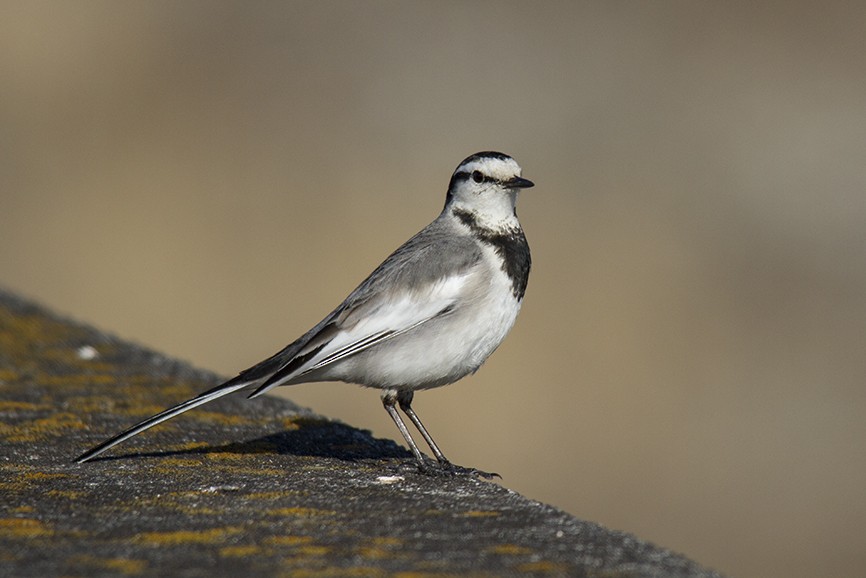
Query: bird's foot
point(463, 471)
point(435, 468)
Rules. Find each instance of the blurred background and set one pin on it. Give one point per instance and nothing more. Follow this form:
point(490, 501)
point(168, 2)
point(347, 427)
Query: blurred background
point(211, 178)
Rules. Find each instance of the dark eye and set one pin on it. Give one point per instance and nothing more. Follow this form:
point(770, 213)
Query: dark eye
point(477, 177)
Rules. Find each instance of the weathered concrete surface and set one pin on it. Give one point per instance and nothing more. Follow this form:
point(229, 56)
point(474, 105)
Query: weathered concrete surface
point(243, 487)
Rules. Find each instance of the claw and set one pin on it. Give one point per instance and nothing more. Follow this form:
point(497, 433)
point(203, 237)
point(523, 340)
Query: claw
point(446, 469)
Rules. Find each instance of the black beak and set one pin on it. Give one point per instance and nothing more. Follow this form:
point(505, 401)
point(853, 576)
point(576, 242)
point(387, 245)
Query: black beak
point(519, 183)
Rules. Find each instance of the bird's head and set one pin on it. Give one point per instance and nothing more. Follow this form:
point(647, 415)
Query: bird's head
point(487, 184)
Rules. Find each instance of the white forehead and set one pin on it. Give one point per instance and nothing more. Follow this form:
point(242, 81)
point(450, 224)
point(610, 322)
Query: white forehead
point(500, 168)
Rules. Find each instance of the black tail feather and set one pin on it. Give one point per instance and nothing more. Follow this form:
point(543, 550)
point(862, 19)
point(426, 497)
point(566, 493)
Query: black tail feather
point(210, 395)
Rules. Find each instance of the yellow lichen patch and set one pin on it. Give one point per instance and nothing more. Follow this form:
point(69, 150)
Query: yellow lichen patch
point(79, 379)
point(7, 375)
point(239, 551)
point(305, 512)
point(220, 418)
point(182, 390)
point(479, 514)
point(544, 566)
point(290, 424)
point(288, 540)
point(356, 572)
point(65, 494)
point(313, 550)
point(211, 536)
point(269, 495)
point(509, 550)
point(40, 476)
point(16, 406)
point(231, 468)
point(380, 548)
point(24, 528)
point(20, 332)
point(7, 431)
point(220, 456)
point(192, 446)
point(36, 430)
point(415, 574)
point(371, 553)
point(22, 509)
point(124, 566)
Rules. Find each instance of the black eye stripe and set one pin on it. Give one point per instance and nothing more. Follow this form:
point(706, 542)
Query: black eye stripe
point(462, 175)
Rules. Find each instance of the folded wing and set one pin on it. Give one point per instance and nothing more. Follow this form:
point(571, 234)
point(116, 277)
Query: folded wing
point(363, 326)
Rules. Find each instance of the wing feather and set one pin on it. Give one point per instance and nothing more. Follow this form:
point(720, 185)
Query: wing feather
point(381, 319)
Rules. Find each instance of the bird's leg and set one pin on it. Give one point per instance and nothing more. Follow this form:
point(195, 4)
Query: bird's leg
point(389, 400)
point(404, 397)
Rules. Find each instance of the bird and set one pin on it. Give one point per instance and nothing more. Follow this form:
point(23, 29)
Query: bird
point(429, 315)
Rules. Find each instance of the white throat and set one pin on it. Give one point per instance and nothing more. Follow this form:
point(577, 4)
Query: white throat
point(494, 211)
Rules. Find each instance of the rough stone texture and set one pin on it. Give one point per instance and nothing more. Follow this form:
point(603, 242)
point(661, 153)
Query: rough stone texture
point(243, 487)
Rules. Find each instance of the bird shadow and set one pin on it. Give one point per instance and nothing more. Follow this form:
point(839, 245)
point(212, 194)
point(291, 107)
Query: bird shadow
point(313, 436)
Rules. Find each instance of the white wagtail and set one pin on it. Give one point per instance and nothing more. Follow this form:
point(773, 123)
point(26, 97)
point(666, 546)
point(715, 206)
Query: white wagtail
point(429, 315)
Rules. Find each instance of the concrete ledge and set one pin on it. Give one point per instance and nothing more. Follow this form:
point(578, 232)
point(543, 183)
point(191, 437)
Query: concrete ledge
point(243, 487)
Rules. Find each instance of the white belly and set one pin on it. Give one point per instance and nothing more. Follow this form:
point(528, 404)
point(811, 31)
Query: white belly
point(442, 350)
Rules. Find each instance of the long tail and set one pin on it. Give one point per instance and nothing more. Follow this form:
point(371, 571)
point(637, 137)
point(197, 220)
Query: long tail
point(230, 386)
